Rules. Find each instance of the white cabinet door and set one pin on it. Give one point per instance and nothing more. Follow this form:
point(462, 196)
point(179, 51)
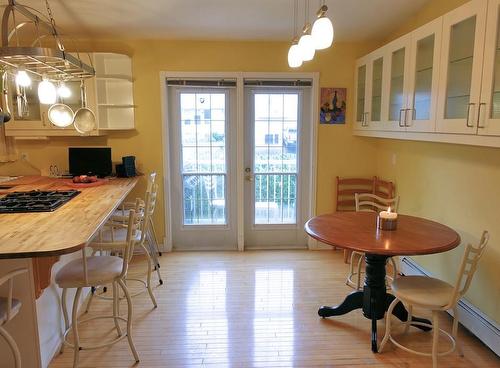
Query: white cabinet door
point(362, 95)
point(423, 77)
point(488, 122)
point(461, 68)
point(396, 69)
point(376, 93)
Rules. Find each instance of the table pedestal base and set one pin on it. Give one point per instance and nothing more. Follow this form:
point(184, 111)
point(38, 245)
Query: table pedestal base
point(374, 299)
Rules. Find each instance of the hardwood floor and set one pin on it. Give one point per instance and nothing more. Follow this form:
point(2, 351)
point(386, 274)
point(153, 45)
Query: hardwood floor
point(255, 309)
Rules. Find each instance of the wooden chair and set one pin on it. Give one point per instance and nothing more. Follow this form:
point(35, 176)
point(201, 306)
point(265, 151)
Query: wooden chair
point(98, 270)
point(434, 295)
point(366, 202)
point(9, 308)
point(347, 187)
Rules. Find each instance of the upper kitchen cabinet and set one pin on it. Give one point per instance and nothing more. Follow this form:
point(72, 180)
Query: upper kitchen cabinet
point(488, 122)
point(461, 68)
point(423, 77)
point(114, 89)
point(394, 108)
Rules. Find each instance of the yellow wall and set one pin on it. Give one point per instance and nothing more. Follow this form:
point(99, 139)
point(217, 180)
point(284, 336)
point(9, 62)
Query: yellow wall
point(339, 152)
point(453, 184)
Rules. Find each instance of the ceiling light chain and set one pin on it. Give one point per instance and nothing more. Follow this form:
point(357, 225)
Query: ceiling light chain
point(318, 37)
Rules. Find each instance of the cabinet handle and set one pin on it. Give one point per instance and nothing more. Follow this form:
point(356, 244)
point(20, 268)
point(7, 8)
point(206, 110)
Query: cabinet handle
point(412, 116)
point(366, 118)
point(468, 114)
point(43, 119)
point(479, 114)
point(401, 123)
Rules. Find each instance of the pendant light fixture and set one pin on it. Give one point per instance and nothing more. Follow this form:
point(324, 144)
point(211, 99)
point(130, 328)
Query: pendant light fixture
point(306, 45)
point(322, 30)
point(47, 94)
point(294, 55)
point(22, 78)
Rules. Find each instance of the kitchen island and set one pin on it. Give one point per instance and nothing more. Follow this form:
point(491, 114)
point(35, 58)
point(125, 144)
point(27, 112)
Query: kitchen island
point(36, 241)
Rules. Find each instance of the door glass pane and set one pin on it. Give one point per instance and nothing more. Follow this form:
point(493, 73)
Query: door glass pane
point(460, 60)
point(203, 150)
point(423, 78)
point(377, 89)
point(495, 103)
point(360, 103)
point(275, 157)
point(397, 81)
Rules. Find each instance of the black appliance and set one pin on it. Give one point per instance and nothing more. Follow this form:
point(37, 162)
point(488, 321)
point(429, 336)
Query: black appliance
point(90, 161)
point(35, 201)
point(127, 168)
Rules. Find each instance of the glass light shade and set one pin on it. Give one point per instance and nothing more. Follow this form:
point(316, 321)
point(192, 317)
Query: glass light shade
point(294, 56)
point(306, 47)
point(47, 92)
point(63, 91)
point(322, 33)
point(23, 79)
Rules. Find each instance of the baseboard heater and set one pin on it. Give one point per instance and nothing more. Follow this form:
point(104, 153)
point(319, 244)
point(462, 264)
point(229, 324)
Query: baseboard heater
point(483, 327)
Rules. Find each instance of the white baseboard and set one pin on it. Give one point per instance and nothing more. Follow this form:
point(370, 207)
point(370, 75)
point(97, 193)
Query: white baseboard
point(483, 327)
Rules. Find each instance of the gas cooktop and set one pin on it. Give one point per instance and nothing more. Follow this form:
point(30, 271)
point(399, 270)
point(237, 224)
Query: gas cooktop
point(35, 201)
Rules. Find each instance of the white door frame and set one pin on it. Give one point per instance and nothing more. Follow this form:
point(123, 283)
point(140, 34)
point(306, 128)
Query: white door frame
point(239, 77)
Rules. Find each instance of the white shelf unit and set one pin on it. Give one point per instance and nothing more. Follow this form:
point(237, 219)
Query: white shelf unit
point(114, 91)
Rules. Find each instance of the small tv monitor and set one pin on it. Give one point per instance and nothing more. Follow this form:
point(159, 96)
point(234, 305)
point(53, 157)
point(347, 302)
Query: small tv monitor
point(90, 161)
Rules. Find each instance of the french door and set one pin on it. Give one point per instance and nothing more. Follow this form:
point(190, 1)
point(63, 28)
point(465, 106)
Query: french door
point(207, 202)
point(203, 186)
point(276, 169)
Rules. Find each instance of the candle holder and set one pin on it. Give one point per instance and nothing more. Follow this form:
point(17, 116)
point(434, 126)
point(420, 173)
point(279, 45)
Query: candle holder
point(387, 224)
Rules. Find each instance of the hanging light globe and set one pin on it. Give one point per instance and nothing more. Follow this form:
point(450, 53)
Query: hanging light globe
point(63, 91)
point(23, 79)
point(47, 94)
point(294, 55)
point(306, 45)
point(322, 30)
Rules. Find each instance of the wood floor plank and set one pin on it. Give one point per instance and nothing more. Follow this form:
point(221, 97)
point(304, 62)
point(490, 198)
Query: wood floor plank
point(256, 309)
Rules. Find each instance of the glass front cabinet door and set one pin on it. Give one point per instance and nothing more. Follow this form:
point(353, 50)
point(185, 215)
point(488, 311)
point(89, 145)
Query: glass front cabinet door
point(362, 95)
point(394, 108)
point(488, 122)
point(423, 78)
point(461, 68)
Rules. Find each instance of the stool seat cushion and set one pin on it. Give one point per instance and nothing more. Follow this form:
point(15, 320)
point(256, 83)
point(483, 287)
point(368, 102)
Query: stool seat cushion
point(16, 306)
point(100, 270)
point(422, 290)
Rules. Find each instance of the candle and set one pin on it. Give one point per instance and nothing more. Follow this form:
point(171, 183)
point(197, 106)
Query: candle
point(388, 215)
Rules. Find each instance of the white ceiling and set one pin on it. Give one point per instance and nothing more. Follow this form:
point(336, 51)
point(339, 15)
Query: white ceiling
point(354, 20)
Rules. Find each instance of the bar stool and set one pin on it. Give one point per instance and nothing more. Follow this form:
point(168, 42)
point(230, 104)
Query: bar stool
point(366, 202)
point(98, 270)
point(434, 295)
point(114, 234)
point(9, 308)
point(121, 215)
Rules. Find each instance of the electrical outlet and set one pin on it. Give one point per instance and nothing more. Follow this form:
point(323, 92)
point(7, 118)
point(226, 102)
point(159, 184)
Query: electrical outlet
point(24, 156)
point(394, 159)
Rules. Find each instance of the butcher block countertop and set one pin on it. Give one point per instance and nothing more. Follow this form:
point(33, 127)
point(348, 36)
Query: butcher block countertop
point(65, 230)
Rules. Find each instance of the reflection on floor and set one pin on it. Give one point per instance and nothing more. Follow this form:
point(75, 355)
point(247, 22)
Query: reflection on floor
point(255, 309)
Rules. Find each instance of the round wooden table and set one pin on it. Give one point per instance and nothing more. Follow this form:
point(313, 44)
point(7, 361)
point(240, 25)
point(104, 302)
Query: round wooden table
point(358, 231)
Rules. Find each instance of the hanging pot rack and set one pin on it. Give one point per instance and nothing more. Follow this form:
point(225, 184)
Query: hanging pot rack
point(55, 64)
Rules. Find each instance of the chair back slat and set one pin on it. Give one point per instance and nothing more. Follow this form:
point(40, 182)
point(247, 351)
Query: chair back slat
point(366, 202)
point(347, 187)
point(133, 224)
point(468, 267)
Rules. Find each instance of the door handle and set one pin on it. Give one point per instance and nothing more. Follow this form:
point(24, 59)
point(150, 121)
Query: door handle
point(479, 115)
point(412, 117)
point(365, 119)
point(248, 174)
point(468, 114)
